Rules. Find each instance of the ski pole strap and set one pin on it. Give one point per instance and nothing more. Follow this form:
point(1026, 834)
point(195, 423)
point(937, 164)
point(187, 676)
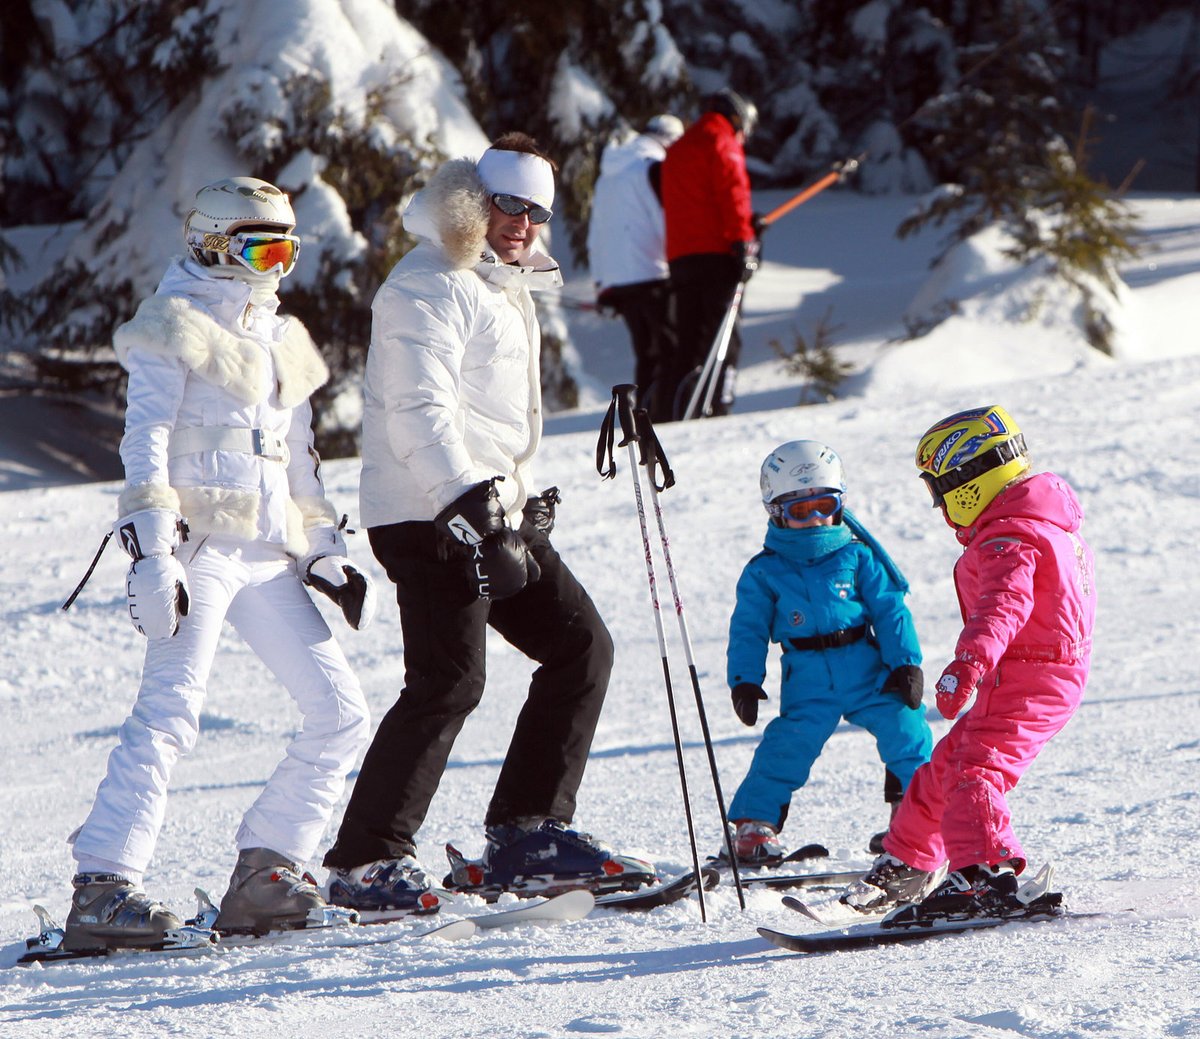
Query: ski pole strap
point(651, 452)
point(620, 407)
point(868, 539)
point(86, 577)
point(835, 639)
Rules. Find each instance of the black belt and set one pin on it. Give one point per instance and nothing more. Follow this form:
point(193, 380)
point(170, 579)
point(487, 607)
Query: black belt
point(833, 640)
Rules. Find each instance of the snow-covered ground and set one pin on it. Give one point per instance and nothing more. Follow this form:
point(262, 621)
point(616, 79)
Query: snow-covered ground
point(1113, 802)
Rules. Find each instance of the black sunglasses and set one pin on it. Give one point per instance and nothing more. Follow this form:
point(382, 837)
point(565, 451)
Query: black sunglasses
point(510, 205)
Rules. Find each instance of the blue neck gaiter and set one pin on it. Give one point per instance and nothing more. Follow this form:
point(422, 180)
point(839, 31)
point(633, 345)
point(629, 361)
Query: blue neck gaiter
point(807, 543)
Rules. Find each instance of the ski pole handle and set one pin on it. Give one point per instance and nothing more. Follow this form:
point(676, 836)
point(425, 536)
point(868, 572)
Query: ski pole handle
point(623, 395)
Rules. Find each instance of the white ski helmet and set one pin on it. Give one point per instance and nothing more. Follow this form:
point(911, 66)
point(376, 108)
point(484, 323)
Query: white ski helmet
point(800, 467)
point(241, 205)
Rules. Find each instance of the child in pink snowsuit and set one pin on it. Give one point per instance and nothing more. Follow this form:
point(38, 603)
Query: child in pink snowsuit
point(1027, 593)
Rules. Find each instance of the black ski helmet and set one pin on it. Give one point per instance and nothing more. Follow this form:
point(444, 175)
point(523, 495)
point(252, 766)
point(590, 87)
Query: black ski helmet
point(741, 113)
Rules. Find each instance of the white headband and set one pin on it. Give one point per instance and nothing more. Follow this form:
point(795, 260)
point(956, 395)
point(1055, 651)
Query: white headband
point(517, 173)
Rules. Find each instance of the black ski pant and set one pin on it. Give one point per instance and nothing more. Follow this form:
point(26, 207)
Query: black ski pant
point(647, 310)
point(553, 621)
point(703, 287)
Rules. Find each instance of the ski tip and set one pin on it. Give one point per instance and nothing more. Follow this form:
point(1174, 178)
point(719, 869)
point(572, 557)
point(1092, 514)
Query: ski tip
point(454, 931)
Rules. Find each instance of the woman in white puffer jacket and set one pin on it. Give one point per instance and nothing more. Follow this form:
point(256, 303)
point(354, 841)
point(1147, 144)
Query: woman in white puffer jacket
point(222, 499)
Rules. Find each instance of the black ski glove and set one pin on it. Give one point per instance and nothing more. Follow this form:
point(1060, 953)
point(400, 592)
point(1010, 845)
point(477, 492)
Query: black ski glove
point(346, 585)
point(539, 510)
point(498, 563)
point(745, 697)
point(746, 255)
point(907, 682)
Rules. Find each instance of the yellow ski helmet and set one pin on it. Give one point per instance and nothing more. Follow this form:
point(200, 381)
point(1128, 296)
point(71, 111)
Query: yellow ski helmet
point(968, 458)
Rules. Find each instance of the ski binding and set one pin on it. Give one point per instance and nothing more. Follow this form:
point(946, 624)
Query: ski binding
point(46, 945)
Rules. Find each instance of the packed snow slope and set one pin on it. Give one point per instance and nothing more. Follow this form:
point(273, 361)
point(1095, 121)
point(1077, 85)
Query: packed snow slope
point(1112, 802)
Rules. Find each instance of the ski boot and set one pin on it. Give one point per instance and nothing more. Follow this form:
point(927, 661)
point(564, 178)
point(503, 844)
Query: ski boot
point(981, 890)
point(755, 843)
point(267, 892)
point(109, 911)
point(889, 882)
point(387, 886)
point(544, 857)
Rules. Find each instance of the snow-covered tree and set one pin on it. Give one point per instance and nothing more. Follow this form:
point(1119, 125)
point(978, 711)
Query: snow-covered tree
point(340, 103)
point(999, 140)
point(569, 74)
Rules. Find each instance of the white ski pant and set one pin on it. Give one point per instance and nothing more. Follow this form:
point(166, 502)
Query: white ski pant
point(255, 587)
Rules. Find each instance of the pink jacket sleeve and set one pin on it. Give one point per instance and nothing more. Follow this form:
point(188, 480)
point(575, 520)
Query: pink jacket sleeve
point(996, 595)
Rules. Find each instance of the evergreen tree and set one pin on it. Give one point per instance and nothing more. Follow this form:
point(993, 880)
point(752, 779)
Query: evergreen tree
point(144, 101)
point(999, 142)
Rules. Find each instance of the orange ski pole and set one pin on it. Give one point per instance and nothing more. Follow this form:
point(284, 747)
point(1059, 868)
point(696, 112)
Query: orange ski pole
point(839, 172)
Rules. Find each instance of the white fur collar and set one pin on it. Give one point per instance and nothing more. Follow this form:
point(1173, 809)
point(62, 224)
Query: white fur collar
point(171, 326)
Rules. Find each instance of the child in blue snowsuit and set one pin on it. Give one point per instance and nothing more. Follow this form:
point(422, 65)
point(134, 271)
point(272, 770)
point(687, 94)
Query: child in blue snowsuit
point(826, 591)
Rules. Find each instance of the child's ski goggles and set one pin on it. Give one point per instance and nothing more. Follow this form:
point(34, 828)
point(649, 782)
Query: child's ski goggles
point(825, 504)
point(510, 205)
point(263, 252)
point(973, 468)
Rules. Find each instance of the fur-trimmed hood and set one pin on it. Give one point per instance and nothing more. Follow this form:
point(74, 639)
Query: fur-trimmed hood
point(178, 326)
point(453, 211)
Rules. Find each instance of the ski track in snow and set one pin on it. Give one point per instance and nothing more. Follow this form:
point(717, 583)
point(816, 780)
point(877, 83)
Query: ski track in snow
point(1113, 802)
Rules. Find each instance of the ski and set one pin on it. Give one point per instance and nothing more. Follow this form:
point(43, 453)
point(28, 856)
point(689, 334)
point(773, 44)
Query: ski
point(429, 903)
point(46, 947)
point(804, 909)
point(806, 853)
point(869, 935)
point(834, 878)
point(572, 905)
point(659, 894)
point(468, 877)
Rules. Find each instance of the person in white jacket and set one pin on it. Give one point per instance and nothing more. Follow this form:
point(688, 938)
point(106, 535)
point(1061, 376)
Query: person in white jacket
point(627, 252)
point(224, 515)
point(452, 419)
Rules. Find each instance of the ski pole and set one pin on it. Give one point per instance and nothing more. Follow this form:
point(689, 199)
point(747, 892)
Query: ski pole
point(622, 404)
point(840, 171)
point(653, 458)
point(710, 374)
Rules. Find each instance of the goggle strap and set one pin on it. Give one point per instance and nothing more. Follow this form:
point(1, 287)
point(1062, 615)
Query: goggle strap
point(1001, 454)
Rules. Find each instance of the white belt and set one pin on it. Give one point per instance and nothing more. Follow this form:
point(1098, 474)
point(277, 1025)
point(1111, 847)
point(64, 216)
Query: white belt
point(260, 442)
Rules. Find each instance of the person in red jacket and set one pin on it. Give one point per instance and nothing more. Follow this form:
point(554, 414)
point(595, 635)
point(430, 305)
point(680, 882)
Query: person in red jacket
point(711, 243)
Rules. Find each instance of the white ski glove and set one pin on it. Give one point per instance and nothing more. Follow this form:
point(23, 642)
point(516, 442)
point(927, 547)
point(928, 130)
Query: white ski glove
point(157, 590)
point(156, 586)
point(327, 569)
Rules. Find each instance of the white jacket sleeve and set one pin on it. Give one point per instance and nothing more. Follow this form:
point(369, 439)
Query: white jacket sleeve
point(155, 390)
point(305, 485)
point(418, 340)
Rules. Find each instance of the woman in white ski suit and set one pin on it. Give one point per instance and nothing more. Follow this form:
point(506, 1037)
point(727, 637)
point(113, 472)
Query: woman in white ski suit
point(218, 430)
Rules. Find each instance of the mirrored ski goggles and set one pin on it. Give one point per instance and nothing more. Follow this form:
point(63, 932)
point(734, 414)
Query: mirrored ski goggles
point(825, 504)
point(260, 251)
point(510, 205)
